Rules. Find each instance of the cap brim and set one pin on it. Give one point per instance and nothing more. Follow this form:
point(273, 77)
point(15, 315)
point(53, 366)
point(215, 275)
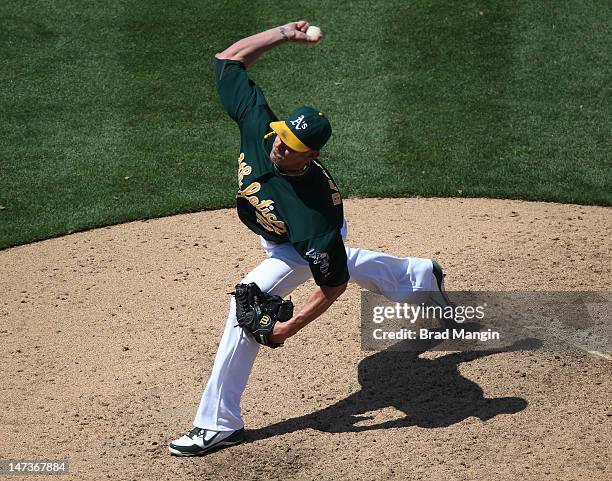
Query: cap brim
point(288, 137)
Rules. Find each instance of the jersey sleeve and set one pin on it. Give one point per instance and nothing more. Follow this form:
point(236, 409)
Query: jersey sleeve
point(326, 256)
point(238, 93)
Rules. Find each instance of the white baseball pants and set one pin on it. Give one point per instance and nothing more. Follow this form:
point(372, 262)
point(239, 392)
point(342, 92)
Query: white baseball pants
point(405, 279)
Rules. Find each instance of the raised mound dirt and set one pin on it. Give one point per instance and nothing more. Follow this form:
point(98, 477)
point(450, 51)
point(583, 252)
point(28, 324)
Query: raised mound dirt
point(108, 338)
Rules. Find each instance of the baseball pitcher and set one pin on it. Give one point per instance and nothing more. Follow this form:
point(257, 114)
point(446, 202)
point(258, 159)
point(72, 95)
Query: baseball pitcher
point(290, 200)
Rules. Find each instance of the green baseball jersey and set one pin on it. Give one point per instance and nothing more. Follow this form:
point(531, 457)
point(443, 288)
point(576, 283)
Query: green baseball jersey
point(305, 210)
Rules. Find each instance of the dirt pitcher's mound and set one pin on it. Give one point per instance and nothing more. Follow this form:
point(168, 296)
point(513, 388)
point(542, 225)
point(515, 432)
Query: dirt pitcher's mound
point(108, 338)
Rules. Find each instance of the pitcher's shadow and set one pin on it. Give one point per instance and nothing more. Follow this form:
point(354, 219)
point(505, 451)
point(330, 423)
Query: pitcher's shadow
point(431, 393)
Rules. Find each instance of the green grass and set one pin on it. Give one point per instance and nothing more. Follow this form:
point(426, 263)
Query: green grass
point(108, 111)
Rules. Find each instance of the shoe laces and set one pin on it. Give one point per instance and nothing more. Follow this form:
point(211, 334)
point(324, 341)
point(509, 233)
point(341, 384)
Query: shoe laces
point(196, 432)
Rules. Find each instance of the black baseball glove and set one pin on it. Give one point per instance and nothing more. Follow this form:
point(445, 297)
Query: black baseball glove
point(257, 312)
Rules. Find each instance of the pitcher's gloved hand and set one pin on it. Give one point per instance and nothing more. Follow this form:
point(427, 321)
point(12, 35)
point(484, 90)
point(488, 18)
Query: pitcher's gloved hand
point(257, 312)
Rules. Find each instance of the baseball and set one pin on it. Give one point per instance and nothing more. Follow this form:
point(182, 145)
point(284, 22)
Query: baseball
point(314, 32)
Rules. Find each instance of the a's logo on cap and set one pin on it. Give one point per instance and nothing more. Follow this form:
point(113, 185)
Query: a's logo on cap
point(299, 123)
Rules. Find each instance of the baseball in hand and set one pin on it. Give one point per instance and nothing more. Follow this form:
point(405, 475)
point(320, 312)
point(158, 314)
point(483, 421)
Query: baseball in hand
point(313, 32)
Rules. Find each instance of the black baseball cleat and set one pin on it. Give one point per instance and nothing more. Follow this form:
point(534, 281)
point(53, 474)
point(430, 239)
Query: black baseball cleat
point(199, 441)
point(440, 298)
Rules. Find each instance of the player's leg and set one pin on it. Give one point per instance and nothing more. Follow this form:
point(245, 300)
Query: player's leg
point(399, 279)
point(396, 278)
point(219, 408)
point(218, 420)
